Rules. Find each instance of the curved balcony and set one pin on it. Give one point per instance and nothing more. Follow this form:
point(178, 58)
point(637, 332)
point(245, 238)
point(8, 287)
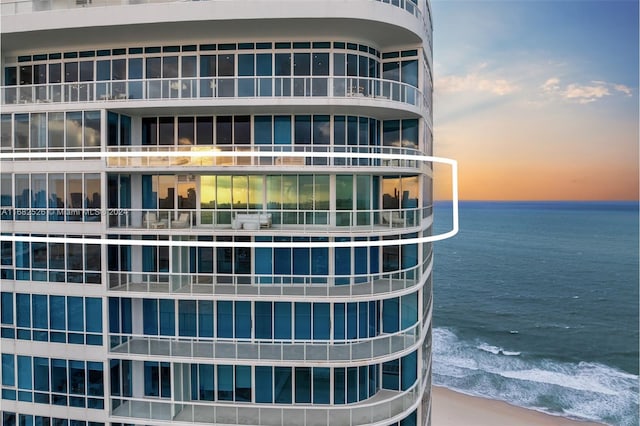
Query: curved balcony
point(336, 353)
point(383, 408)
point(30, 6)
point(289, 287)
point(119, 93)
point(155, 156)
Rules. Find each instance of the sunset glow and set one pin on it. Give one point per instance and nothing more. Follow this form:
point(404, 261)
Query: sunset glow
point(537, 102)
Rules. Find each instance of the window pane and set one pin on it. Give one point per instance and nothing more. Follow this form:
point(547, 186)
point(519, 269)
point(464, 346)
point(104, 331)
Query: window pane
point(23, 310)
point(57, 312)
point(186, 131)
point(321, 385)
point(24, 372)
point(223, 130)
point(243, 383)
point(409, 368)
point(74, 130)
point(187, 317)
point(150, 316)
point(6, 305)
point(151, 379)
point(321, 321)
point(263, 320)
point(41, 374)
point(263, 129)
point(264, 384)
point(303, 320)
point(165, 131)
point(390, 315)
point(225, 319)
point(352, 384)
point(242, 129)
point(76, 377)
point(206, 380)
point(170, 67)
point(283, 392)
point(282, 130)
point(153, 68)
point(339, 321)
point(302, 129)
point(303, 385)
point(283, 64)
point(75, 313)
point(40, 311)
point(167, 317)
point(409, 310)
point(225, 382)
point(8, 370)
point(282, 320)
point(339, 386)
point(204, 130)
point(21, 131)
point(205, 318)
point(243, 320)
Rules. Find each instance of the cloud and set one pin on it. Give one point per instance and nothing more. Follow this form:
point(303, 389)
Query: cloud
point(551, 85)
point(474, 82)
point(622, 88)
point(583, 93)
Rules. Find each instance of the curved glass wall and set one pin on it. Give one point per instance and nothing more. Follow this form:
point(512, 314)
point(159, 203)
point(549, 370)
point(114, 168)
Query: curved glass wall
point(264, 384)
point(266, 320)
point(250, 69)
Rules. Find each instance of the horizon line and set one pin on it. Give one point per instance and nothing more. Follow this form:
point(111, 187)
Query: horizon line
point(478, 200)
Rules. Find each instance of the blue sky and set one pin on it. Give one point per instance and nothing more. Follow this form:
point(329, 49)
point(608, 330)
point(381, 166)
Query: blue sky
point(538, 99)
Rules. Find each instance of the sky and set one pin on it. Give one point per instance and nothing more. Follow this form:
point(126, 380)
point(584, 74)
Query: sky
point(537, 100)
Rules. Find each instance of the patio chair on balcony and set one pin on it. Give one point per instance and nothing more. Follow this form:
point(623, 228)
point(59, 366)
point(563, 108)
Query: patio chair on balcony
point(392, 218)
point(182, 222)
point(151, 221)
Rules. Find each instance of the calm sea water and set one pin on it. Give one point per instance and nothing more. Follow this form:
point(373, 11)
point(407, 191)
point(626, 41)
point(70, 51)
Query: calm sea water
point(536, 304)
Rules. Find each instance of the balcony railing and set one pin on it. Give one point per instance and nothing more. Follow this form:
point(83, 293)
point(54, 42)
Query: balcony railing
point(138, 156)
point(193, 88)
point(267, 285)
point(226, 218)
point(385, 407)
point(336, 352)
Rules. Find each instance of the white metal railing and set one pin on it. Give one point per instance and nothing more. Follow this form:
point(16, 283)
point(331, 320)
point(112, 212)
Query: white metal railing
point(258, 219)
point(138, 156)
point(383, 407)
point(214, 87)
point(335, 352)
point(320, 221)
point(267, 285)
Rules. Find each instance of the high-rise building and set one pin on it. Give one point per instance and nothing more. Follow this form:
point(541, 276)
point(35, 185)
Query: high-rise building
point(216, 212)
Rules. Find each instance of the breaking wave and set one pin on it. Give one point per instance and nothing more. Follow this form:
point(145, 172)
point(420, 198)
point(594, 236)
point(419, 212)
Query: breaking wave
point(583, 390)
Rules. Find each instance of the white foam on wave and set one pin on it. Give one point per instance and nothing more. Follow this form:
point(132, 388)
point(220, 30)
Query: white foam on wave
point(585, 390)
point(496, 350)
point(489, 348)
point(579, 382)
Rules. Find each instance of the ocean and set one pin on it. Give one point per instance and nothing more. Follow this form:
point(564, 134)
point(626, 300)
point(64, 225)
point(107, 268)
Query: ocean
point(536, 304)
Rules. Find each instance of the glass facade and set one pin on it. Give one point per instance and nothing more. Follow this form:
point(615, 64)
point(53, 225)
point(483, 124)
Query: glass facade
point(197, 229)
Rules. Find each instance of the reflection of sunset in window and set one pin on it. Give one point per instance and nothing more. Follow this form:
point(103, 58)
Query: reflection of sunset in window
point(207, 191)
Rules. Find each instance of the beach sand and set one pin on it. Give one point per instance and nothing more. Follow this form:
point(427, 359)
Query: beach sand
point(451, 408)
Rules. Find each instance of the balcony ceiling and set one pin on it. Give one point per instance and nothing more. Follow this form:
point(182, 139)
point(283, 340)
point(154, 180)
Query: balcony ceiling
point(380, 25)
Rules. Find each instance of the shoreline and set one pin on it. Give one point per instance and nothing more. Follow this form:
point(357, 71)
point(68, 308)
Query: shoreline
point(451, 408)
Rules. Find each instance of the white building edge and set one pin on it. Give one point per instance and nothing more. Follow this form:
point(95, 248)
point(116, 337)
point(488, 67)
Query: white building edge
point(216, 212)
